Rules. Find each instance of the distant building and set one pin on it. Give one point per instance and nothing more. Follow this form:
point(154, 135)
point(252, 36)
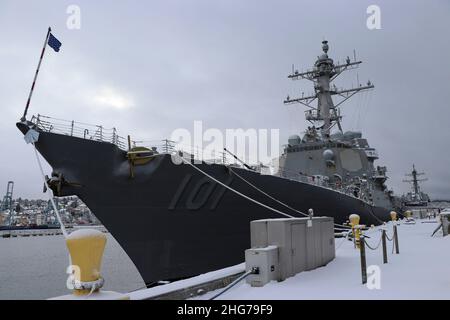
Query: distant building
point(39, 219)
point(3, 218)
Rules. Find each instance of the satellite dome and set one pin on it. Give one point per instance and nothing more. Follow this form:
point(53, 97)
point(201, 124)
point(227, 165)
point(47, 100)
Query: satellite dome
point(349, 135)
point(328, 155)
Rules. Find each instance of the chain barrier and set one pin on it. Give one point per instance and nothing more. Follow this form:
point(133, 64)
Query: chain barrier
point(372, 248)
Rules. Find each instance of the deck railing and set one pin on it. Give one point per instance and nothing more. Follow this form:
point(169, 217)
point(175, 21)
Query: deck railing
point(100, 133)
point(80, 130)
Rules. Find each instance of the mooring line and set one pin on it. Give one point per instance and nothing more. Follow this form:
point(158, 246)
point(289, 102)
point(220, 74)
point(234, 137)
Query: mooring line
point(235, 191)
point(63, 228)
point(278, 201)
point(266, 194)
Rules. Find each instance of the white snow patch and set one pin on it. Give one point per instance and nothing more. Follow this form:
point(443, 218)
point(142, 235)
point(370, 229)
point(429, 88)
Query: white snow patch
point(420, 271)
point(85, 233)
point(151, 292)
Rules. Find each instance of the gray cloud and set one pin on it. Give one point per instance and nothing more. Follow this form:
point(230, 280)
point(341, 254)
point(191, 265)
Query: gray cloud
point(226, 62)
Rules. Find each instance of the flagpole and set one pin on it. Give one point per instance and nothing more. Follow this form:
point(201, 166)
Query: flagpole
point(35, 76)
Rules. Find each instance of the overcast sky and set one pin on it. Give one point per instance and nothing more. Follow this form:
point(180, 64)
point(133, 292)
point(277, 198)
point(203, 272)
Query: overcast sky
point(149, 67)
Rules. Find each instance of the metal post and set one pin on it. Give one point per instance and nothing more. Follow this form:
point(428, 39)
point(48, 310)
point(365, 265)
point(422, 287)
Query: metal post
point(24, 117)
point(71, 129)
point(362, 250)
point(383, 240)
point(397, 251)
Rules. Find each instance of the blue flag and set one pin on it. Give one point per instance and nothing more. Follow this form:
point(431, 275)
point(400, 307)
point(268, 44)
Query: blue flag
point(54, 43)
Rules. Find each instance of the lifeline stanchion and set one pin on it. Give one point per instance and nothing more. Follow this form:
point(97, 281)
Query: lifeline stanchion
point(383, 240)
point(397, 250)
point(362, 250)
point(394, 218)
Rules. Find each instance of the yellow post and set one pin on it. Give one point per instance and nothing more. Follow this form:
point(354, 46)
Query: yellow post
point(393, 216)
point(354, 222)
point(86, 251)
point(86, 247)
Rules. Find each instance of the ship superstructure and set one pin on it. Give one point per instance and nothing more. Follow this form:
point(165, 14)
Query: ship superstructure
point(341, 160)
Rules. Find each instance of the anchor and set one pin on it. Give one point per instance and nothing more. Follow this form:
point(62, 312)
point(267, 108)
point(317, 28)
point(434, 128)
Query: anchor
point(57, 182)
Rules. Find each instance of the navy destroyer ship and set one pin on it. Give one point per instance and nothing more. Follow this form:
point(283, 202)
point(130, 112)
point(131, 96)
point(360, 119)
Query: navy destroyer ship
point(176, 217)
point(416, 197)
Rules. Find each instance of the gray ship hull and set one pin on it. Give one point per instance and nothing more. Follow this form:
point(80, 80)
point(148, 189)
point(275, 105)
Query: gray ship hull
point(171, 220)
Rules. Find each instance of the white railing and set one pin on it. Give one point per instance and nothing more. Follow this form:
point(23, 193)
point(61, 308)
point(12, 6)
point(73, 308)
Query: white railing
point(79, 129)
point(371, 153)
point(100, 133)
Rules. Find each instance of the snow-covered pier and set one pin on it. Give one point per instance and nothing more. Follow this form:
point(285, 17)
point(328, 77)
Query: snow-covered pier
point(420, 271)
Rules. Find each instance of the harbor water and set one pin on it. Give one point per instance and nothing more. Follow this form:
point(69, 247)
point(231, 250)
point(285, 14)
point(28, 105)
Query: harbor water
point(35, 268)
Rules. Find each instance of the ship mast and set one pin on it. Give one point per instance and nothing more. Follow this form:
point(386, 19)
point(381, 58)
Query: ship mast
point(324, 72)
point(415, 181)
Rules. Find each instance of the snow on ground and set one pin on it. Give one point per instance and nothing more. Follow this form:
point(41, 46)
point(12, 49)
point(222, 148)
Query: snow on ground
point(420, 271)
point(155, 291)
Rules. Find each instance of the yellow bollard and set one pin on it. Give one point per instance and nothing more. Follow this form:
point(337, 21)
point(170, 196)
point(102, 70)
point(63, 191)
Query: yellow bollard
point(354, 222)
point(393, 216)
point(86, 251)
point(358, 233)
point(86, 247)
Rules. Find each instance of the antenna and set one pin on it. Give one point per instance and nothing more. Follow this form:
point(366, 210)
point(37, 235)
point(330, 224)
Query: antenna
point(234, 156)
point(326, 114)
point(415, 181)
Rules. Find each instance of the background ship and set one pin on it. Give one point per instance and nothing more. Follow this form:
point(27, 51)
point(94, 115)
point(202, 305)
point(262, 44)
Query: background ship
point(177, 219)
point(415, 197)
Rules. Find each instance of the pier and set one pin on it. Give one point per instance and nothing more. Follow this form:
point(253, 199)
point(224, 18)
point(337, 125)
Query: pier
point(418, 272)
point(42, 232)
